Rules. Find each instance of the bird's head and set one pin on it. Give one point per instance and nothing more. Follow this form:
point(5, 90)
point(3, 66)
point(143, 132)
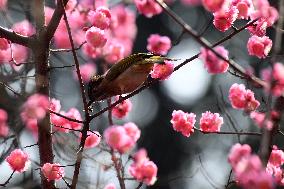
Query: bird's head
point(93, 86)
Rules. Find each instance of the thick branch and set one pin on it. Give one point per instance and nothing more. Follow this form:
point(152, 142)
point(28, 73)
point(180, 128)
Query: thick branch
point(55, 19)
point(15, 37)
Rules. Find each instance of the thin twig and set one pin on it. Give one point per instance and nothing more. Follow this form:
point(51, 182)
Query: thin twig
point(68, 50)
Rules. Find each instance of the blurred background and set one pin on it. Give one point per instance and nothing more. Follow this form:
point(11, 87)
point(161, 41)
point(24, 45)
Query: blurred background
point(197, 162)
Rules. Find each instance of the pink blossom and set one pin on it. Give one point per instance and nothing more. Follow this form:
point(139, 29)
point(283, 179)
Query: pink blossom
point(259, 28)
point(96, 37)
point(158, 44)
point(100, 18)
point(266, 12)
point(132, 130)
point(91, 51)
point(274, 78)
point(52, 171)
point(77, 19)
point(110, 186)
point(238, 152)
point(93, 139)
point(213, 5)
point(113, 52)
point(148, 8)
point(245, 8)
point(4, 44)
point(123, 19)
point(4, 129)
point(3, 4)
point(212, 63)
point(144, 172)
point(73, 113)
point(259, 46)
point(191, 2)
point(140, 156)
point(18, 160)
point(183, 122)
point(142, 168)
point(122, 109)
point(261, 120)
point(24, 28)
point(242, 99)
point(87, 71)
point(65, 124)
point(250, 174)
point(35, 107)
point(55, 105)
point(20, 53)
point(118, 139)
point(276, 157)
point(210, 122)
point(224, 19)
point(162, 71)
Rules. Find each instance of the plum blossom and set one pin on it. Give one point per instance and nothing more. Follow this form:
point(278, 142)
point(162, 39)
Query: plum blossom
point(96, 37)
point(224, 19)
point(210, 122)
point(93, 139)
point(52, 171)
point(158, 44)
point(122, 138)
point(122, 109)
point(18, 160)
point(142, 169)
point(248, 168)
point(242, 99)
point(100, 18)
point(212, 63)
point(213, 6)
point(259, 46)
point(162, 71)
point(24, 28)
point(148, 8)
point(183, 122)
point(245, 8)
point(35, 107)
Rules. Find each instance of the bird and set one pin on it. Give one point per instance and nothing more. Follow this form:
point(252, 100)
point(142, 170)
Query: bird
point(123, 77)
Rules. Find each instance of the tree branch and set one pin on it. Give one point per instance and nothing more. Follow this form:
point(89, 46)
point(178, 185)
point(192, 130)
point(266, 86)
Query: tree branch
point(15, 37)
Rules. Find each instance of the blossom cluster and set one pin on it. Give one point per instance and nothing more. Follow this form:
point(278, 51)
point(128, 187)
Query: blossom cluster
point(249, 171)
point(34, 110)
point(275, 79)
point(242, 98)
point(226, 12)
point(142, 169)
point(184, 122)
point(122, 109)
point(62, 124)
point(122, 138)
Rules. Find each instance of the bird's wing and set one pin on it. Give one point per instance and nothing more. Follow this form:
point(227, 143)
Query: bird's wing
point(124, 64)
